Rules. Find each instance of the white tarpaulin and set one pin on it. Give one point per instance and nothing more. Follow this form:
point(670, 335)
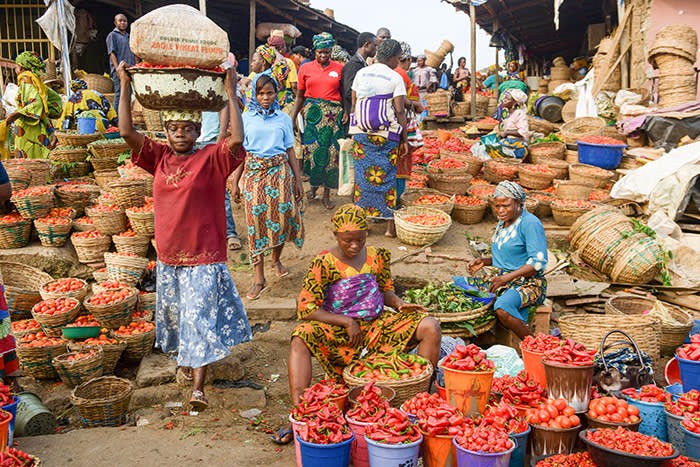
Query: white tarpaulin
point(51, 26)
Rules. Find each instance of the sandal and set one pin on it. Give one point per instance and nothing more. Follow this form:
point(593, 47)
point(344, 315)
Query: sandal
point(183, 376)
point(233, 243)
point(198, 401)
point(252, 295)
point(280, 270)
point(283, 436)
point(328, 204)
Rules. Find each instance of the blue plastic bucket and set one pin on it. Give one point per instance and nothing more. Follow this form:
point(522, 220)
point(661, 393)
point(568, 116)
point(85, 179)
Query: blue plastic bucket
point(86, 125)
point(692, 444)
point(325, 455)
point(12, 408)
point(391, 455)
point(466, 458)
point(690, 374)
point(675, 432)
point(605, 156)
point(675, 389)
point(653, 418)
point(517, 458)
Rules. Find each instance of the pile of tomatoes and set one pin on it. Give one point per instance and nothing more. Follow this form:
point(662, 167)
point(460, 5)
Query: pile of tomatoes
point(554, 413)
point(39, 339)
point(127, 233)
point(33, 191)
point(503, 169)
point(109, 297)
point(66, 284)
point(148, 207)
point(468, 358)
point(573, 203)
point(113, 285)
point(102, 339)
point(87, 235)
point(630, 442)
point(431, 220)
point(593, 171)
point(25, 325)
point(612, 409)
point(605, 140)
point(83, 220)
point(134, 328)
point(457, 145)
point(55, 306)
point(598, 195)
point(11, 218)
point(61, 212)
point(432, 199)
point(448, 163)
point(482, 191)
point(82, 355)
point(84, 321)
point(539, 168)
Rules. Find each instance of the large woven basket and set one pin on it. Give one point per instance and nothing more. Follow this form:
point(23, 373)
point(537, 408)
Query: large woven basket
point(461, 109)
point(103, 177)
point(147, 301)
point(114, 315)
point(61, 154)
point(137, 345)
point(39, 168)
point(629, 304)
point(409, 198)
point(63, 170)
point(449, 184)
point(103, 401)
point(129, 192)
point(111, 353)
point(590, 330)
point(468, 214)
point(461, 317)
point(143, 223)
point(553, 150)
point(534, 179)
point(75, 139)
point(20, 177)
point(37, 362)
point(639, 262)
point(107, 223)
point(34, 206)
point(433, 169)
point(108, 150)
point(474, 164)
point(581, 127)
point(99, 83)
point(137, 245)
point(567, 215)
point(560, 168)
point(127, 269)
point(22, 284)
point(590, 225)
point(544, 206)
point(673, 335)
point(581, 173)
point(53, 235)
point(567, 189)
point(404, 389)
point(15, 234)
point(497, 171)
point(75, 372)
point(91, 250)
point(104, 163)
point(483, 192)
point(78, 294)
point(52, 324)
point(19, 333)
point(438, 103)
point(414, 234)
point(76, 197)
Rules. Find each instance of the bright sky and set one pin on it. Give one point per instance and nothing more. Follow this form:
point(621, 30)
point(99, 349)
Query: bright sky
point(422, 23)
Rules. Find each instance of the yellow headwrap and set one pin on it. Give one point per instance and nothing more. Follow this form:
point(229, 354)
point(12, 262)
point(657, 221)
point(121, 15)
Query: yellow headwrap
point(349, 218)
point(181, 116)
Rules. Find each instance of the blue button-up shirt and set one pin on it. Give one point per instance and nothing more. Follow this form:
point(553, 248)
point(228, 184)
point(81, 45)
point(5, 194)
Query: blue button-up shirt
point(118, 44)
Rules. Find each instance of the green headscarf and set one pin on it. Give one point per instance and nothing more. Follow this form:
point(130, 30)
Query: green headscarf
point(323, 41)
point(31, 61)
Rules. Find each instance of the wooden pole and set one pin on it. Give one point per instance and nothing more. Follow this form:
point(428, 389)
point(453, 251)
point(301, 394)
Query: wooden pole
point(472, 18)
point(251, 35)
point(203, 7)
point(498, 77)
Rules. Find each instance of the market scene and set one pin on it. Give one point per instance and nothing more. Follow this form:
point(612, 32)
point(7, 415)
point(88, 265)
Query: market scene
point(493, 236)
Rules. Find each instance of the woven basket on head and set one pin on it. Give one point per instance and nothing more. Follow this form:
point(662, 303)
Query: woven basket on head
point(75, 372)
point(22, 284)
point(15, 234)
point(404, 389)
point(109, 149)
point(581, 127)
point(103, 401)
point(415, 234)
point(410, 198)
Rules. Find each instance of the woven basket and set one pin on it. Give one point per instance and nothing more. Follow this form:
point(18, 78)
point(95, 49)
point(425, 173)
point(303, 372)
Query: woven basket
point(531, 204)
point(110, 150)
point(461, 317)
point(465, 214)
point(143, 223)
point(22, 284)
point(639, 262)
point(104, 163)
point(127, 269)
point(79, 226)
point(409, 198)
point(63, 170)
point(67, 155)
point(486, 196)
point(501, 170)
point(578, 174)
point(114, 315)
point(77, 199)
point(413, 234)
point(91, 250)
point(560, 73)
point(581, 127)
point(590, 332)
point(103, 177)
point(571, 156)
point(75, 139)
point(450, 184)
point(629, 305)
point(19, 334)
point(541, 151)
point(34, 206)
point(147, 302)
point(137, 345)
point(53, 235)
point(20, 177)
point(152, 120)
point(78, 294)
point(98, 83)
point(461, 109)
point(431, 169)
point(590, 225)
point(533, 179)
point(37, 361)
point(474, 164)
point(438, 103)
point(482, 105)
point(560, 168)
point(39, 168)
point(137, 245)
point(567, 215)
point(100, 275)
point(15, 234)
point(107, 223)
point(544, 205)
point(129, 192)
point(75, 372)
point(52, 324)
point(455, 331)
point(673, 335)
point(111, 353)
point(567, 189)
point(103, 401)
point(404, 389)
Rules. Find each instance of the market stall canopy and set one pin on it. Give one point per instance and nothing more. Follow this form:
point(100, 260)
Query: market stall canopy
point(531, 23)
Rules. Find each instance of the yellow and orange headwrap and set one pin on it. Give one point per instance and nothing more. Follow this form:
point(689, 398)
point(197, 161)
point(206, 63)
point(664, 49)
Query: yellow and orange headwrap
point(349, 218)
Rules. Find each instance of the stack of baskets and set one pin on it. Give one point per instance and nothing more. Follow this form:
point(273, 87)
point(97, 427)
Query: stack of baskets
point(674, 53)
point(76, 372)
point(605, 58)
point(20, 177)
point(438, 104)
point(76, 196)
point(40, 169)
point(69, 160)
point(412, 233)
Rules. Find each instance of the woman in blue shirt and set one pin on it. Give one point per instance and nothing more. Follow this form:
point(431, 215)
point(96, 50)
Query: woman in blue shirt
point(519, 249)
point(272, 189)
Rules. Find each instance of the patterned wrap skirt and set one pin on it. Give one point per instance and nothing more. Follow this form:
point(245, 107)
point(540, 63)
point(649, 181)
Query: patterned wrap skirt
point(323, 128)
point(272, 214)
point(199, 314)
point(518, 296)
point(329, 343)
point(375, 160)
point(8, 357)
point(507, 147)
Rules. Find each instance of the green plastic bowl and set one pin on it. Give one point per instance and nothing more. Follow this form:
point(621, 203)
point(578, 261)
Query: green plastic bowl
point(80, 332)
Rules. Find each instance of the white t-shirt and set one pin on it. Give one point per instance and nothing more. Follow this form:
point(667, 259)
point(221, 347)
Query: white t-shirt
point(378, 79)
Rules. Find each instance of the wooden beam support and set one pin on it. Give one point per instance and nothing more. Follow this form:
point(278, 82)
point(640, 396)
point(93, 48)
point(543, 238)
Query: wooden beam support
point(472, 19)
point(251, 24)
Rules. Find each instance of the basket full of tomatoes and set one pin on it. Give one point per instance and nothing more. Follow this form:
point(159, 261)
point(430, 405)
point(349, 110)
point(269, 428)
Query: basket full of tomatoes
point(77, 367)
point(54, 313)
point(15, 231)
point(139, 337)
point(36, 352)
point(63, 288)
point(53, 231)
point(428, 197)
point(112, 350)
point(34, 202)
point(418, 225)
point(112, 308)
point(611, 412)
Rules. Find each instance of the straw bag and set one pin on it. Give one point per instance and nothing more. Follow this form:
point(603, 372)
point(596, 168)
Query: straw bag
point(103, 401)
point(622, 369)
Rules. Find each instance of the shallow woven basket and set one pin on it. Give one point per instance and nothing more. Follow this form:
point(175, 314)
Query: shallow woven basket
point(37, 361)
point(105, 163)
point(590, 332)
point(103, 401)
point(137, 345)
point(629, 305)
point(34, 206)
point(485, 126)
point(409, 198)
point(567, 189)
point(413, 234)
point(75, 139)
point(83, 226)
point(404, 389)
point(19, 334)
point(39, 168)
point(449, 184)
point(553, 150)
point(68, 155)
point(534, 180)
point(107, 223)
point(108, 150)
point(577, 174)
point(103, 177)
point(111, 353)
point(54, 235)
point(61, 171)
point(431, 169)
point(567, 215)
point(127, 269)
point(91, 250)
point(544, 207)
point(137, 245)
point(474, 164)
point(77, 200)
point(509, 171)
point(20, 177)
point(22, 284)
point(75, 372)
point(78, 294)
point(454, 331)
point(52, 324)
point(114, 315)
point(15, 234)
point(129, 192)
point(143, 223)
point(461, 317)
point(560, 168)
point(673, 335)
point(468, 215)
point(581, 127)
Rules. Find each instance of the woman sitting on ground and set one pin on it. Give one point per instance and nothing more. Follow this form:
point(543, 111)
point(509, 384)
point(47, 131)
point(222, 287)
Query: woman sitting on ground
point(513, 130)
point(89, 103)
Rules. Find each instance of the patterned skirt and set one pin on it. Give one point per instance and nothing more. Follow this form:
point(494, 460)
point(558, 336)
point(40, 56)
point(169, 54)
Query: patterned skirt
point(8, 357)
point(329, 343)
point(199, 315)
point(530, 292)
point(272, 214)
point(322, 129)
point(507, 147)
point(375, 175)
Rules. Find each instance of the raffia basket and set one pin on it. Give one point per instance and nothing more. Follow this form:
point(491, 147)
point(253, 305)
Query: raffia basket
point(534, 179)
point(78, 294)
point(15, 234)
point(143, 223)
point(560, 168)
point(99, 83)
point(116, 314)
point(107, 223)
point(404, 389)
point(410, 198)
point(53, 235)
point(20, 177)
point(581, 127)
point(137, 345)
point(461, 316)
point(629, 304)
point(100, 275)
point(449, 184)
point(137, 245)
point(590, 225)
point(461, 109)
point(34, 206)
point(103, 401)
point(571, 156)
point(580, 173)
point(129, 192)
point(37, 362)
point(110, 149)
point(111, 353)
point(103, 177)
point(91, 250)
point(414, 234)
point(75, 139)
point(75, 372)
point(497, 171)
point(673, 334)
point(22, 284)
point(531, 204)
point(127, 269)
point(76, 197)
point(639, 262)
point(567, 215)
point(482, 105)
point(60, 154)
point(567, 189)
point(52, 324)
point(468, 214)
point(541, 151)
point(438, 103)
point(39, 168)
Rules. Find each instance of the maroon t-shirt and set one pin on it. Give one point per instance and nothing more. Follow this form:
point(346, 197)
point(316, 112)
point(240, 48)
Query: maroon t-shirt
point(188, 197)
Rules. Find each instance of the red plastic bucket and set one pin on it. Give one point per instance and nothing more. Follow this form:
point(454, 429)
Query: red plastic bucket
point(534, 366)
point(300, 429)
point(358, 451)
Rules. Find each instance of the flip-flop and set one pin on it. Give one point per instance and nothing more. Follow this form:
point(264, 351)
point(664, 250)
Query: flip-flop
point(283, 433)
point(198, 402)
point(281, 274)
point(252, 296)
point(182, 378)
point(234, 243)
point(330, 205)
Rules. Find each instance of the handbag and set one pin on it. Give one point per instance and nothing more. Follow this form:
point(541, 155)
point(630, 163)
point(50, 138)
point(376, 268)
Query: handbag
point(346, 168)
point(626, 367)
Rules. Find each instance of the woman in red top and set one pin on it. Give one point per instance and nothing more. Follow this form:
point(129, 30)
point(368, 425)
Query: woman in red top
point(199, 314)
point(319, 94)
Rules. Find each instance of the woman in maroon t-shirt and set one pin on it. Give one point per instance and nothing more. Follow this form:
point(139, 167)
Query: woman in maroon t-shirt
point(199, 314)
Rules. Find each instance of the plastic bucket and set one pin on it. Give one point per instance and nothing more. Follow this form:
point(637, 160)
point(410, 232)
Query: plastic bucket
point(549, 441)
point(5, 429)
point(690, 373)
point(325, 455)
point(653, 418)
point(299, 428)
point(411, 417)
point(534, 366)
point(86, 125)
point(393, 455)
point(571, 383)
point(33, 418)
point(441, 392)
point(358, 451)
point(605, 156)
point(692, 444)
point(675, 431)
point(12, 408)
point(675, 389)
point(468, 391)
point(517, 457)
point(438, 451)
point(466, 458)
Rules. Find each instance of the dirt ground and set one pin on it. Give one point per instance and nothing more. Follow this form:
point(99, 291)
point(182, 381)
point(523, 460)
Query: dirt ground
point(221, 436)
